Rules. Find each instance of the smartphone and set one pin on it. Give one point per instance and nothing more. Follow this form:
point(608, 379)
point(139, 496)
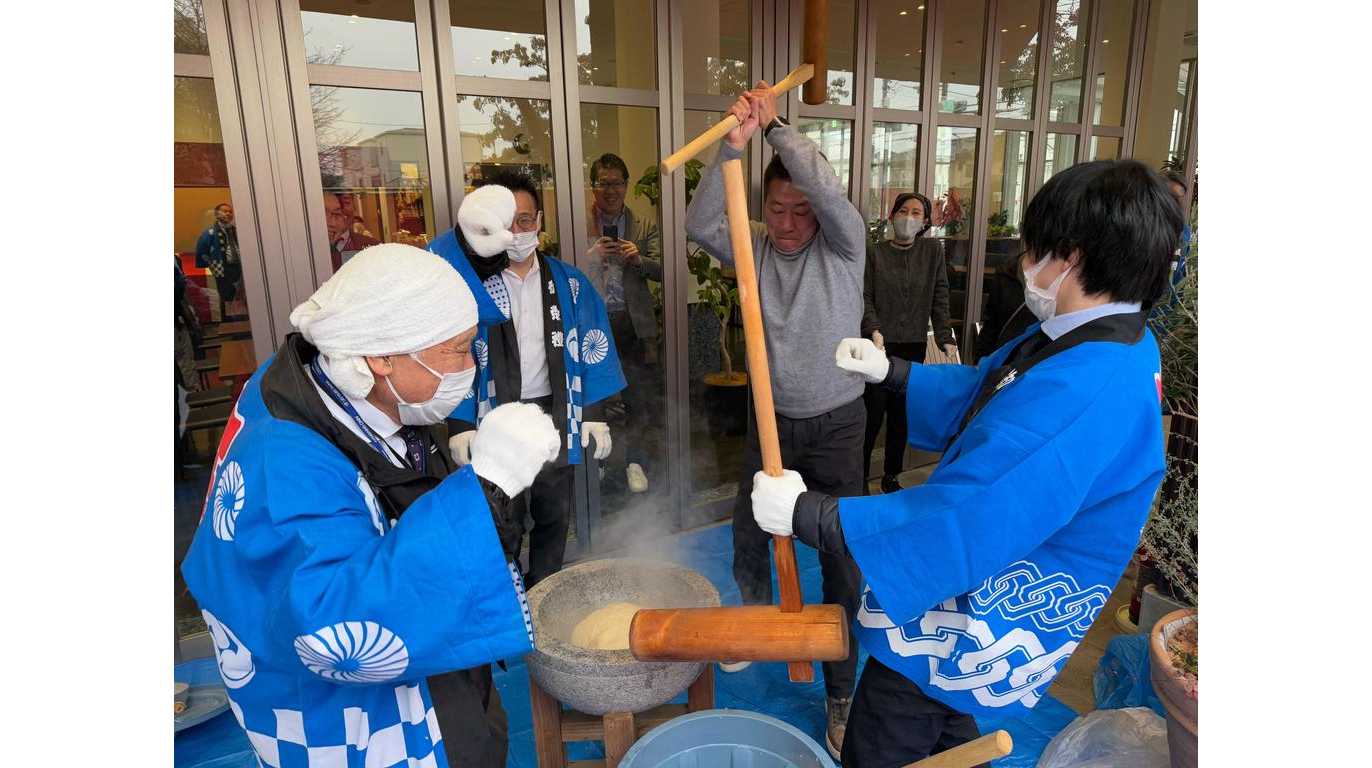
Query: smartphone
point(612, 231)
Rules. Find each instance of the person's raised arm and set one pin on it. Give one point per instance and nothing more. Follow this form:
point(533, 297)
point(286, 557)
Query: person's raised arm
point(840, 224)
point(706, 223)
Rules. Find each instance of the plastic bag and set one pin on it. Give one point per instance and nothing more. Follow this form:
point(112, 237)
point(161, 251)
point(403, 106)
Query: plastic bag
point(1110, 738)
point(1123, 678)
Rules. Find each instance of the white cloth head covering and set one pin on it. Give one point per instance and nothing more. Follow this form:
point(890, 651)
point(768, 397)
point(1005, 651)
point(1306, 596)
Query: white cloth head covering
point(389, 299)
point(485, 217)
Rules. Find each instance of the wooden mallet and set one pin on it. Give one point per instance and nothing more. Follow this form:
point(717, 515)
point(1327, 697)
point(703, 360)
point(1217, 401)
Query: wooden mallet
point(983, 750)
point(797, 633)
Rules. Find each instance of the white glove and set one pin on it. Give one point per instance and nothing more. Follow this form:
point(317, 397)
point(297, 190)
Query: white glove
point(862, 357)
point(878, 340)
point(460, 446)
point(485, 217)
point(601, 432)
point(774, 500)
point(512, 444)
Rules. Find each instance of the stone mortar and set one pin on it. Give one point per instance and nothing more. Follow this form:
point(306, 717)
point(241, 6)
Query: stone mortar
point(597, 682)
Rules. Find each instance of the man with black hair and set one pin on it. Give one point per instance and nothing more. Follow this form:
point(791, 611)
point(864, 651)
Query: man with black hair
point(983, 580)
point(809, 254)
point(217, 250)
point(625, 253)
point(544, 338)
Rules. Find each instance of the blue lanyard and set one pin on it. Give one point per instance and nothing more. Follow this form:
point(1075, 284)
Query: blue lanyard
point(338, 397)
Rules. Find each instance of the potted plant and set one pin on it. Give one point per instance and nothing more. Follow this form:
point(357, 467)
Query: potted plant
point(726, 390)
point(1174, 663)
point(1170, 540)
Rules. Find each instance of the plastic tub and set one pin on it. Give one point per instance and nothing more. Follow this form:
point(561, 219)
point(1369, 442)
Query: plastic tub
point(726, 738)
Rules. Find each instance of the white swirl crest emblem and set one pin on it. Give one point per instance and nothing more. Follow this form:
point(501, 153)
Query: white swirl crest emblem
point(234, 658)
point(573, 348)
point(575, 285)
point(354, 652)
point(228, 501)
point(595, 347)
point(482, 353)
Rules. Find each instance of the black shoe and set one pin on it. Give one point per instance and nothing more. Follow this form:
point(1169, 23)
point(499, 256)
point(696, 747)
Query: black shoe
point(889, 484)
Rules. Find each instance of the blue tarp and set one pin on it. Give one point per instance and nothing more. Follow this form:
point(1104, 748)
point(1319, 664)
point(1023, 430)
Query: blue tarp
point(764, 688)
point(1123, 679)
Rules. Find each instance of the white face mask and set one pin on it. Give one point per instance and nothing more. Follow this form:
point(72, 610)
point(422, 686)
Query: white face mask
point(906, 227)
point(1043, 302)
point(452, 388)
point(525, 243)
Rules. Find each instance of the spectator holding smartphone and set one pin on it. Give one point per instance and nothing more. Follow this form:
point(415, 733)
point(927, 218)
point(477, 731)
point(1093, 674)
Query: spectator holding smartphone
point(625, 253)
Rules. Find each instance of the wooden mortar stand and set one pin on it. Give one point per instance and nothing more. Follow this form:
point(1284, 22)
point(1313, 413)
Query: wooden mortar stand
point(555, 727)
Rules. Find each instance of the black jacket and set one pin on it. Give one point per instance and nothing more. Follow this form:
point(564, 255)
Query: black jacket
point(1005, 316)
point(903, 289)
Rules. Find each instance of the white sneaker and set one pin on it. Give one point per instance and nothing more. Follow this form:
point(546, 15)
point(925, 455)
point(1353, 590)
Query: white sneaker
point(734, 666)
point(638, 481)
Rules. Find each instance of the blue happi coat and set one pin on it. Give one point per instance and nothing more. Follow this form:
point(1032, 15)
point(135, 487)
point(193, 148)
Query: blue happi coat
point(982, 581)
point(589, 356)
point(326, 619)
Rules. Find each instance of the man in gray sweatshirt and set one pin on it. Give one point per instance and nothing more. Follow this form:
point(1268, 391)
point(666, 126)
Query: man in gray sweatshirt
point(810, 255)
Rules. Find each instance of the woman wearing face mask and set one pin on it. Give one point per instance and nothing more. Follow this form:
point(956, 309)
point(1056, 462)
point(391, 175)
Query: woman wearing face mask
point(321, 601)
point(905, 286)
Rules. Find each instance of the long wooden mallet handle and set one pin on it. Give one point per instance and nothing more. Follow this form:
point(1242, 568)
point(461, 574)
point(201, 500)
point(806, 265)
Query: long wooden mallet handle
point(741, 238)
point(983, 750)
point(799, 75)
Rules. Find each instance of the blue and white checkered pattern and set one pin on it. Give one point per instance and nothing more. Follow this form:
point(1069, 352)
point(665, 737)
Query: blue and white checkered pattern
point(495, 288)
point(414, 742)
point(573, 411)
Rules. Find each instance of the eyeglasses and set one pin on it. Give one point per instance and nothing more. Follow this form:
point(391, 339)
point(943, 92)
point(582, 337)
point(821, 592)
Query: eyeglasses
point(610, 185)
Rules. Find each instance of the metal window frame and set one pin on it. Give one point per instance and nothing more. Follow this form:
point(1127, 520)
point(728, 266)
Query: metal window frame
point(258, 47)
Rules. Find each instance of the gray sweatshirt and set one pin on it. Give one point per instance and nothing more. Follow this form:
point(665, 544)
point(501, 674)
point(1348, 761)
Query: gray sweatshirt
point(811, 299)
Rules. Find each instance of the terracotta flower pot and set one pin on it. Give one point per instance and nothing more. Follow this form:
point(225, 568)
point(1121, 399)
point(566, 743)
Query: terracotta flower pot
point(1183, 725)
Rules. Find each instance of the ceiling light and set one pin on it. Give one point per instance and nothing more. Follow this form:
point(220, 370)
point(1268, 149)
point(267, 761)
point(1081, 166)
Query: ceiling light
point(907, 53)
point(1003, 29)
point(1002, 61)
point(1024, 26)
point(1105, 42)
point(903, 13)
point(919, 8)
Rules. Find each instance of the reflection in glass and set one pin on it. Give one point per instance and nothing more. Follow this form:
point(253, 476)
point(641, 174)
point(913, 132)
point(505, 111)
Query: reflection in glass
point(716, 37)
point(1069, 57)
point(616, 43)
point(1167, 89)
point(1009, 183)
point(374, 166)
point(190, 27)
point(499, 38)
point(498, 132)
point(899, 34)
point(1112, 62)
point(895, 166)
point(1105, 148)
point(715, 360)
point(211, 338)
point(964, 38)
point(624, 265)
point(360, 33)
point(1060, 154)
point(842, 51)
point(835, 140)
point(1019, 53)
point(954, 193)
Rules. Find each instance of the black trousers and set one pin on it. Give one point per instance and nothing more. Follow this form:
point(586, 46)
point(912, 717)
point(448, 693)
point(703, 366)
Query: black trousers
point(826, 451)
point(893, 723)
point(642, 397)
point(476, 731)
point(882, 403)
